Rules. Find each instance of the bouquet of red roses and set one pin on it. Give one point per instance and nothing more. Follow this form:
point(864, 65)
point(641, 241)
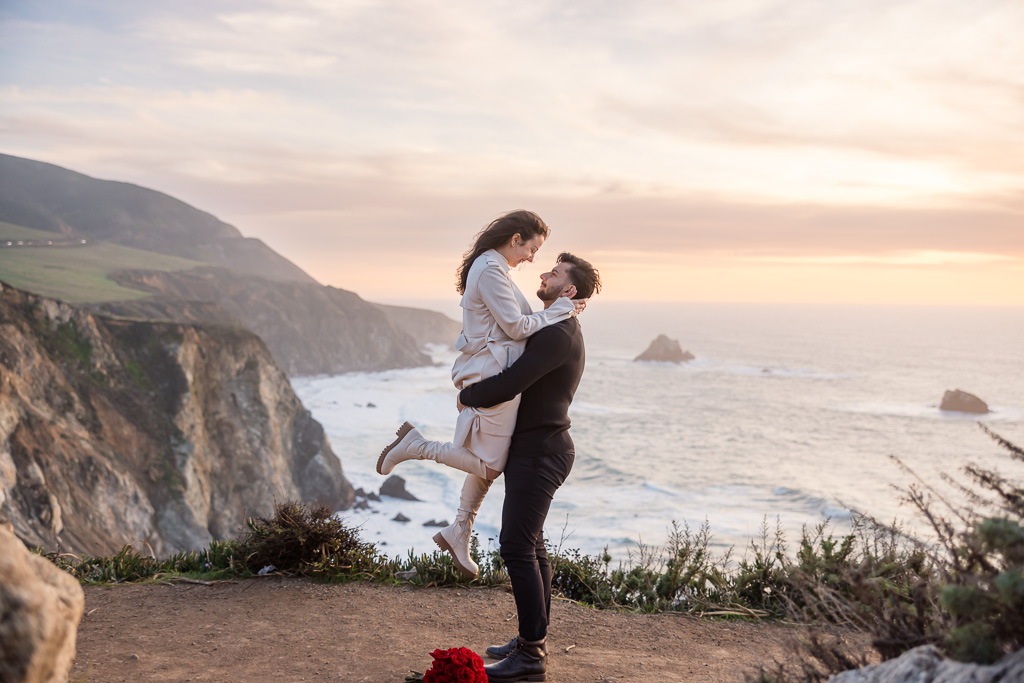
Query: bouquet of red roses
point(457, 665)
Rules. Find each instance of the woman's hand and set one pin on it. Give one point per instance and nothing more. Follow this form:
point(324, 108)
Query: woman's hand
point(568, 293)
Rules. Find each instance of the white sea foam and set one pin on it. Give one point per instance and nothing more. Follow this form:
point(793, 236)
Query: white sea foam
point(711, 365)
point(932, 412)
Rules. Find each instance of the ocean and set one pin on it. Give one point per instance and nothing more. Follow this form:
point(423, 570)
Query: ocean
point(788, 414)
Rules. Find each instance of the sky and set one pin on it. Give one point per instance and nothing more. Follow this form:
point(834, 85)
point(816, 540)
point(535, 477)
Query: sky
point(791, 151)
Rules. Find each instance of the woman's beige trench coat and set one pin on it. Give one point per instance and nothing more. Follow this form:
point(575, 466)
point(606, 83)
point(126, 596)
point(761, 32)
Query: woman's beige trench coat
point(496, 322)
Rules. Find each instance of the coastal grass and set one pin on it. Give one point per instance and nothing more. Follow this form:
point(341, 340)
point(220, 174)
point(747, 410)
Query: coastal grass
point(78, 273)
point(219, 561)
point(962, 591)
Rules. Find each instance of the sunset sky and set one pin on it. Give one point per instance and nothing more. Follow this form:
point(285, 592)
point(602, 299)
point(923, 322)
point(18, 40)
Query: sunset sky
point(852, 151)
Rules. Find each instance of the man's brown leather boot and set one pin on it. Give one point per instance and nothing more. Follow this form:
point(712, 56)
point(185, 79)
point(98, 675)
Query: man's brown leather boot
point(502, 651)
point(526, 662)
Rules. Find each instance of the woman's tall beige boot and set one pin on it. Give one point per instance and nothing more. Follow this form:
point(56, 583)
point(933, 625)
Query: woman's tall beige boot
point(410, 445)
point(455, 538)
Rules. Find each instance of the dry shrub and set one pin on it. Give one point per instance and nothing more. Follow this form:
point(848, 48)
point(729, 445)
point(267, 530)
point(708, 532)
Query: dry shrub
point(307, 540)
point(820, 655)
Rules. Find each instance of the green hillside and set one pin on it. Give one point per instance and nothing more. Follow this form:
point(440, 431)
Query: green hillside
point(47, 197)
point(76, 274)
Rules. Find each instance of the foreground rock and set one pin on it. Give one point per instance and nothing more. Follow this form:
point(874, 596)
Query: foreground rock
point(665, 350)
point(40, 607)
point(117, 431)
point(927, 665)
point(963, 402)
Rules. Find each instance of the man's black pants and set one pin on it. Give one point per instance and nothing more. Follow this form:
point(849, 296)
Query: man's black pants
point(530, 484)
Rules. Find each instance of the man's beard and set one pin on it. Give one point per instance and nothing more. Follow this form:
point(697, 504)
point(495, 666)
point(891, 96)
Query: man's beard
point(546, 295)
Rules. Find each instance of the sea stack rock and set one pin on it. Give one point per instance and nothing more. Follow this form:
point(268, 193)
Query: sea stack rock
point(394, 486)
point(40, 607)
point(665, 350)
point(963, 402)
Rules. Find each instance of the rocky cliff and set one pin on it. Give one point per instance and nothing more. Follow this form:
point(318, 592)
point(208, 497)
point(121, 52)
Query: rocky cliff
point(116, 431)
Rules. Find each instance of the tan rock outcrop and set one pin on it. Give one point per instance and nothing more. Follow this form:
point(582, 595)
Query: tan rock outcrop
point(40, 607)
point(168, 434)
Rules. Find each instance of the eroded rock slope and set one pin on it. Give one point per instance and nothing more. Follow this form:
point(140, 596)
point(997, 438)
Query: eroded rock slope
point(117, 431)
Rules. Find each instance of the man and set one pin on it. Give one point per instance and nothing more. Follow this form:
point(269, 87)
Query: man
point(540, 457)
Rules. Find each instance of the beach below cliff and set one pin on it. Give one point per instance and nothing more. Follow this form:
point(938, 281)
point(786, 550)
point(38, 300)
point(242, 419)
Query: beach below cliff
point(282, 629)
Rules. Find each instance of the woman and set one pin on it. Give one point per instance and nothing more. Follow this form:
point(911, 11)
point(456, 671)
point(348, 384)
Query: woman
point(496, 321)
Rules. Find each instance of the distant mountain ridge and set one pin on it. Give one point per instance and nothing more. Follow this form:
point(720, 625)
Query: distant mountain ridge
point(295, 319)
point(310, 329)
point(47, 197)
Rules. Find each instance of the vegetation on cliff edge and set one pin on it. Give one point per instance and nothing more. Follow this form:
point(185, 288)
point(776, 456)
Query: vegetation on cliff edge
point(963, 592)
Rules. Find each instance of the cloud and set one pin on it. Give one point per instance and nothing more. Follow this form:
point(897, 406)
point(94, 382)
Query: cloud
point(339, 213)
point(913, 258)
point(857, 131)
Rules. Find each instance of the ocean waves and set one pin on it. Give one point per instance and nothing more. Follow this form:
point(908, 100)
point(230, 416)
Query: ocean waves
point(791, 421)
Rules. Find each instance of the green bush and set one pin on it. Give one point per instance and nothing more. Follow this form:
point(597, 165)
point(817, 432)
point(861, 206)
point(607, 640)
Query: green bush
point(963, 591)
point(981, 591)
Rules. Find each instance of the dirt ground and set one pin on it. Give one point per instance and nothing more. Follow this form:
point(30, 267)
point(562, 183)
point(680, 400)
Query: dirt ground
point(277, 629)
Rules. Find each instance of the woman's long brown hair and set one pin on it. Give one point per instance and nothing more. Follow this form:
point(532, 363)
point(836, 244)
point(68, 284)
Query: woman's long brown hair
point(526, 224)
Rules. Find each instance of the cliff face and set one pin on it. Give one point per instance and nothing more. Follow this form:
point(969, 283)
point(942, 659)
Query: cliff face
point(309, 328)
point(116, 431)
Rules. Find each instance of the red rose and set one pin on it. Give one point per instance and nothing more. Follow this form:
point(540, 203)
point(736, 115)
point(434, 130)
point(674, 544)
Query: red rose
point(457, 665)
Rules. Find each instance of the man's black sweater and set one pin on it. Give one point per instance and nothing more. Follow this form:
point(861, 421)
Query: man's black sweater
point(547, 375)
